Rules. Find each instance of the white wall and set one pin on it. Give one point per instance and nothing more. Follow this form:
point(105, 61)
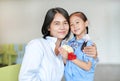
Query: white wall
point(21, 21)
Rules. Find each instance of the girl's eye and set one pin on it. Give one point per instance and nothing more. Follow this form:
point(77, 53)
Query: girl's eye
point(77, 22)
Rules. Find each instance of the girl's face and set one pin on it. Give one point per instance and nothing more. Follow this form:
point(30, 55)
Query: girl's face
point(59, 27)
point(78, 26)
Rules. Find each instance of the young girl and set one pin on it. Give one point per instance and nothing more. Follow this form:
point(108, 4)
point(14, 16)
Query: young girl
point(79, 66)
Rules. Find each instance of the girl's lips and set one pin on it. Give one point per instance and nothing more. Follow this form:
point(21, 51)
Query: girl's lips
point(76, 30)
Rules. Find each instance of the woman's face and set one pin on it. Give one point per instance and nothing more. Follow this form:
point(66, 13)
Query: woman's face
point(77, 25)
point(59, 27)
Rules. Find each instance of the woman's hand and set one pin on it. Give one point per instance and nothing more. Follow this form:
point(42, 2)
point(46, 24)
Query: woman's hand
point(63, 52)
point(91, 50)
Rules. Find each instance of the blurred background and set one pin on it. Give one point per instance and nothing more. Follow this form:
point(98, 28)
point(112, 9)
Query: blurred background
point(21, 21)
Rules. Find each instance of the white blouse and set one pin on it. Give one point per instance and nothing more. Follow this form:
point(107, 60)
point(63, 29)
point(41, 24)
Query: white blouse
point(40, 62)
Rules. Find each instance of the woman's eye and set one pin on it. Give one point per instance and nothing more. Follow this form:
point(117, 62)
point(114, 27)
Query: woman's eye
point(66, 23)
point(56, 23)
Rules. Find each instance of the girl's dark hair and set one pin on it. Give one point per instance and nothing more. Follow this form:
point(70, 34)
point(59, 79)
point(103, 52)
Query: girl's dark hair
point(49, 18)
point(82, 16)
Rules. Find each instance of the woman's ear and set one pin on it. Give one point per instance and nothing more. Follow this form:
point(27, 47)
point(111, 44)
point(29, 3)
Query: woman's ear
point(48, 29)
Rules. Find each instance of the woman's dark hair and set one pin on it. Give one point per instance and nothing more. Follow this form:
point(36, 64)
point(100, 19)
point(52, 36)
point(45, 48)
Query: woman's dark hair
point(49, 18)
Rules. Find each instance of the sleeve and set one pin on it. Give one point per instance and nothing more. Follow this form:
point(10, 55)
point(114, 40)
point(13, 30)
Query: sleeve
point(92, 60)
point(31, 62)
point(88, 58)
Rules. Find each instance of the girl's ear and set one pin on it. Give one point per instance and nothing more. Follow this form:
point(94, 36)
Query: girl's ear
point(86, 23)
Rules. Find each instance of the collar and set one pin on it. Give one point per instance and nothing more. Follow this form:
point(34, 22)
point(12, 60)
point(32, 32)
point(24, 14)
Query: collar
point(79, 41)
point(51, 42)
point(51, 39)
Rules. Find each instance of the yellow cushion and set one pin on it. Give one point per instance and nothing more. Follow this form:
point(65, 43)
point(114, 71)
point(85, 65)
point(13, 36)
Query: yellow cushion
point(9, 73)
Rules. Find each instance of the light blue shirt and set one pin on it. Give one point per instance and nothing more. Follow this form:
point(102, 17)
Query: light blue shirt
point(40, 62)
point(74, 72)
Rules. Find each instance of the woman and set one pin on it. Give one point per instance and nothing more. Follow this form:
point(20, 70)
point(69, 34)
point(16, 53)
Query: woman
point(42, 61)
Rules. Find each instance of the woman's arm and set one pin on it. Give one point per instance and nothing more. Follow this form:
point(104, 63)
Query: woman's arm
point(64, 54)
point(91, 51)
point(31, 62)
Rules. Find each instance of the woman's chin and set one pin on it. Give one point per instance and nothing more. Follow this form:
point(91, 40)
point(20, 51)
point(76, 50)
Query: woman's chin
point(61, 37)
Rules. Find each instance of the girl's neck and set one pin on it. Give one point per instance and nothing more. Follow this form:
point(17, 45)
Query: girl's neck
point(78, 37)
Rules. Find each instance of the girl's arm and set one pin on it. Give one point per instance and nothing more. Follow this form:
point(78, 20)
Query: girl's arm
point(84, 65)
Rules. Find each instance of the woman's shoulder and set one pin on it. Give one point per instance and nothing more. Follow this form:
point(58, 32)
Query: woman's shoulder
point(37, 41)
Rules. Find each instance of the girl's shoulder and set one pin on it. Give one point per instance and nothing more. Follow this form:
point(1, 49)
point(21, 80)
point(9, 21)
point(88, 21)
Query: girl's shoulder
point(72, 39)
point(89, 43)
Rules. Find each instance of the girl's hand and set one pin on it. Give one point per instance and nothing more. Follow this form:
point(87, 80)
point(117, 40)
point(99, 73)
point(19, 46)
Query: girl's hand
point(63, 52)
point(91, 50)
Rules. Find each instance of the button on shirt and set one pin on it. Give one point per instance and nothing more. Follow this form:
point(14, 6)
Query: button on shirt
point(40, 63)
point(74, 72)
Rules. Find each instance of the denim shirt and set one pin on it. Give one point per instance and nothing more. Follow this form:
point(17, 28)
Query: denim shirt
point(72, 71)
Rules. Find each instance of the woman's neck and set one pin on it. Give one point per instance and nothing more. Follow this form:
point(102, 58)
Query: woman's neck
point(58, 43)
